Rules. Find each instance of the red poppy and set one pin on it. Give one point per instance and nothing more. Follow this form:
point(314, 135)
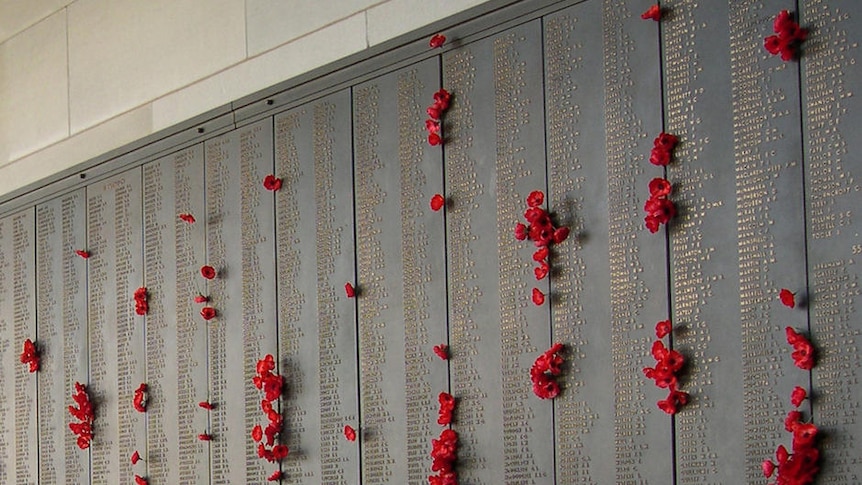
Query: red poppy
point(442, 351)
point(271, 182)
point(432, 126)
point(188, 218)
point(437, 40)
point(793, 417)
point(654, 13)
point(442, 99)
point(434, 139)
point(659, 157)
point(257, 433)
point(276, 476)
point(208, 272)
point(665, 141)
point(541, 254)
point(659, 187)
point(538, 297)
point(787, 298)
point(140, 399)
point(208, 313)
point(206, 405)
point(797, 396)
point(82, 253)
point(520, 231)
point(803, 435)
point(139, 480)
point(663, 328)
point(349, 433)
point(349, 290)
point(434, 112)
point(772, 44)
point(136, 457)
point(541, 271)
point(201, 299)
point(205, 437)
point(30, 356)
point(535, 199)
point(437, 202)
point(560, 235)
point(674, 401)
point(280, 452)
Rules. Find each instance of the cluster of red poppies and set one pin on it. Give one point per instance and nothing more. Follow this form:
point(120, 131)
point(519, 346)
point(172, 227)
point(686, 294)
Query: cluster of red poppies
point(788, 36)
point(447, 408)
point(444, 453)
point(272, 385)
point(140, 398)
point(668, 363)
point(662, 149)
point(84, 413)
point(444, 450)
point(659, 209)
point(544, 369)
point(434, 123)
point(30, 356)
point(800, 467)
point(142, 306)
point(543, 233)
point(803, 351)
point(207, 312)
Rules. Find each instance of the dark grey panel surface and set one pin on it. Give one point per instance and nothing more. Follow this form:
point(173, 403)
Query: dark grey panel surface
point(240, 246)
point(637, 259)
point(177, 353)
point(831, 119)
point(494, 155)
point(770, 228)
point(578, 194)
point(18, 323)
point(61, 304)
point(703, 249)
point(117, 360)
point(317, 335)
point(401, 274)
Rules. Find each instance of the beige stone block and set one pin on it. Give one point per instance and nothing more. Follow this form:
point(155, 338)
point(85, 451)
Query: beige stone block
point(271, 23)
point(397, 17)
point(34, 107)
point(124, 53)
point(273, 67)
point(19, 15)
point(72, 151)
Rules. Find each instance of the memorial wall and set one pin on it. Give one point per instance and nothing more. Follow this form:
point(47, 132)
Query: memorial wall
point(347, 276)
